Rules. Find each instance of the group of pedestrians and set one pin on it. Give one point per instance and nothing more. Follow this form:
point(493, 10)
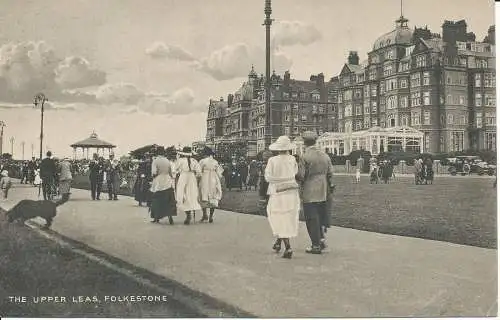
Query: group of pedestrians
point(170, 180)
point(101, 170)
point(293, 182)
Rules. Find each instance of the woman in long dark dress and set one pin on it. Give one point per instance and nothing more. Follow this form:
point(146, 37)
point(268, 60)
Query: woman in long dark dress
point(162, 190)
point(143, 181)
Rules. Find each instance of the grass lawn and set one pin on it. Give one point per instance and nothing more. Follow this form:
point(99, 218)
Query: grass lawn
point(455, 209)
point(33, 266)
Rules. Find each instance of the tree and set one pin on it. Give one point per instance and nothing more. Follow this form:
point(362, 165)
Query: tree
point(6, 156)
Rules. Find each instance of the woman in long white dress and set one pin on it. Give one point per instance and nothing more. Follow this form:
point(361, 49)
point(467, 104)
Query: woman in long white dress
point(284, 201)
point(210, 184)
point(186, 192)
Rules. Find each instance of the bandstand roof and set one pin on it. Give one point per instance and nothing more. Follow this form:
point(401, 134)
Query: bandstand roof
point(92, 142)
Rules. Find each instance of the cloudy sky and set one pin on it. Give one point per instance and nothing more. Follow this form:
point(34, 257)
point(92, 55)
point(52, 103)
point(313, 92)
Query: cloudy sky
point(143, 71)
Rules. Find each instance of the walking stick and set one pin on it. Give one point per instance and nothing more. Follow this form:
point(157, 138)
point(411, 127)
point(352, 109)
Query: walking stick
point(39, 189)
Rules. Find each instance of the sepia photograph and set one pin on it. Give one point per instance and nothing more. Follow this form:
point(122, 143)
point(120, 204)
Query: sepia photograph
point(248, 159)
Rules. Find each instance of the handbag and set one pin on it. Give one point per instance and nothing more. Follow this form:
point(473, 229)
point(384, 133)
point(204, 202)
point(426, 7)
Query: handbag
point(285, 186)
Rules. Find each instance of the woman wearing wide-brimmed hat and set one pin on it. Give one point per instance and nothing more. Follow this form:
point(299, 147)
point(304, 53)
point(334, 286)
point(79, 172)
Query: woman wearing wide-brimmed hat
point(210, 185)
point(186, 192)
point(284, 203)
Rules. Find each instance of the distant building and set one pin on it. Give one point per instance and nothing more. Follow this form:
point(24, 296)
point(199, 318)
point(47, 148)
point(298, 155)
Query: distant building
point(441, 85)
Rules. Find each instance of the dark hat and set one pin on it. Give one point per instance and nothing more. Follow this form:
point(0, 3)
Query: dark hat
point(186, 151)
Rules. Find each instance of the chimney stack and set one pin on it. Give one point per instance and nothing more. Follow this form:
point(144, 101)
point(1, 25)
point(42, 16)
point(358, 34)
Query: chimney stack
point(353, 58)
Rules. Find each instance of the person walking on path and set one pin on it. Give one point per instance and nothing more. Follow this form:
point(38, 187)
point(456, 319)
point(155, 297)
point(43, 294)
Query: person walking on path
point(5, 183)
point(48, 173)
point(210, 184)
point(113, 177)
point(186, 192)
point(96, 176)
point(65, 178)
point(162, 189)
point(142, 184)
point(315, 174)
point(284, 202)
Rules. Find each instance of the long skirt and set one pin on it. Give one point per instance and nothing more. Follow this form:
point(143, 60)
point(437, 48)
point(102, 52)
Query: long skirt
point(64, 186)
point(186, 193)
point(141, 190)
point(163, 204)
point(283, 213)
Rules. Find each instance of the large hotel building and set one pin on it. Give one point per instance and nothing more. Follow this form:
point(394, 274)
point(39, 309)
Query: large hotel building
point(438, 89)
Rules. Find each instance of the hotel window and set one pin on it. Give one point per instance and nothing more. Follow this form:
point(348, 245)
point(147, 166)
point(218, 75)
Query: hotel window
point(488, 80)
point(490, 119)
point(373, 74)
point(296, 119)
point(357, 94)
point(427, 98)
point(286, 95)
point(392, 102)
point(461, 45)
point(304, 118)
point(389, 54)
point(415, 80)
point(347, 95)
point(462, 79)
point(388, 70)
point(359, 125)
point(294, 95)
point(348, 126)
point(316, 96)
point(479, 120)
point(359, 110)
point(457, 141)
point(449, 99)
point(320, 109)
point(341, 114)
point(287, 107)
point(405, 66)
point(340, 98)
point(427, 117)
point(287, 117)
point(374, 106)
point(346, 80)
point(374, 122)
point(403, 102)
point(427, 141)
point(287, 131)
point(489, 100)
point(462, 101)
point(367, 91)
point(392, 84)
point(314, 108)
point(426, 80)
point(391, 120)
point(415, 99)
point(295, 130)
point(477, 78)
point(479, 100)
point(415, 119)
point(348, 110)
point(421, 62)
point(450, 119)
point(480, 63)
point(403, 83)
point(462, 119)
point(404, 120)
point(367, 108)
point(374, 92)
point(491, 142)
point(366, 122)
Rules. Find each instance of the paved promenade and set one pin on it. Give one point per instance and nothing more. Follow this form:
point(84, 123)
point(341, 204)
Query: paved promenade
point(362, 274)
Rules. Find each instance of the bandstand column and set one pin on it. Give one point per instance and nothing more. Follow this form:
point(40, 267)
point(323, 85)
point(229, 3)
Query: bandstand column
point(378, 144)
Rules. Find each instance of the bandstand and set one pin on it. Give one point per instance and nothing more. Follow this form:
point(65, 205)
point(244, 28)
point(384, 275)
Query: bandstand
point(93, 142)
point(375, 140)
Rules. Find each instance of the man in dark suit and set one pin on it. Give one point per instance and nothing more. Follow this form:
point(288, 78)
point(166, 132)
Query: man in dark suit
point(48, 171)
point(96, 175)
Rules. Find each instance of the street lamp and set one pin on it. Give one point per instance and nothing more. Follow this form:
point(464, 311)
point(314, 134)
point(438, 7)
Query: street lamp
point(32, 150)
point(22, 147)
point(12, 147)
point(2, 125)
point(40, 99)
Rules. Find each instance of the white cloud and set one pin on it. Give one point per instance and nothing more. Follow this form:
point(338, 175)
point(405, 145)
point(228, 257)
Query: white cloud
point(180, 102)
point(122, 93)
point(76, 72)
point(30, 67)
point(160, 50)
point(289, 33)
point(233, 61)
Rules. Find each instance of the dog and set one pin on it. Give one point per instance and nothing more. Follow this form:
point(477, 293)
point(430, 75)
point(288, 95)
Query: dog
point(29, 209)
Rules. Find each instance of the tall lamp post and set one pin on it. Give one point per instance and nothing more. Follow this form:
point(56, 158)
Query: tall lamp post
point(267, 23)
point(22, 148)
point(2, 125)
point(32, 150)
point(40, 99)
point(12, 147)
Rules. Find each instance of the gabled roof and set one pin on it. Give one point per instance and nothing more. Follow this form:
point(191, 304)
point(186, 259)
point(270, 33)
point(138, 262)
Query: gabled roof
point(92, 142)
point(434, 44)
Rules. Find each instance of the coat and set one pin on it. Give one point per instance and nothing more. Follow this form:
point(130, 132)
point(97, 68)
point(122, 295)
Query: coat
point(315, 174)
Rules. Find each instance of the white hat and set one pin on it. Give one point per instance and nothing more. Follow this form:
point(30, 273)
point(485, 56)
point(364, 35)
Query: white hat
point(5, 173)
point(283, 143)
point(186, 151)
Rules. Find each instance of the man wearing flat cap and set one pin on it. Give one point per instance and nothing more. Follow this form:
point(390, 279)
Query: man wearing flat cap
point(315, 173)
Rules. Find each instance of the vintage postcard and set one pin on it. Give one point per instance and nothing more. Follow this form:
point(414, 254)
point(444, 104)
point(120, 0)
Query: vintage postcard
point(248, 158)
